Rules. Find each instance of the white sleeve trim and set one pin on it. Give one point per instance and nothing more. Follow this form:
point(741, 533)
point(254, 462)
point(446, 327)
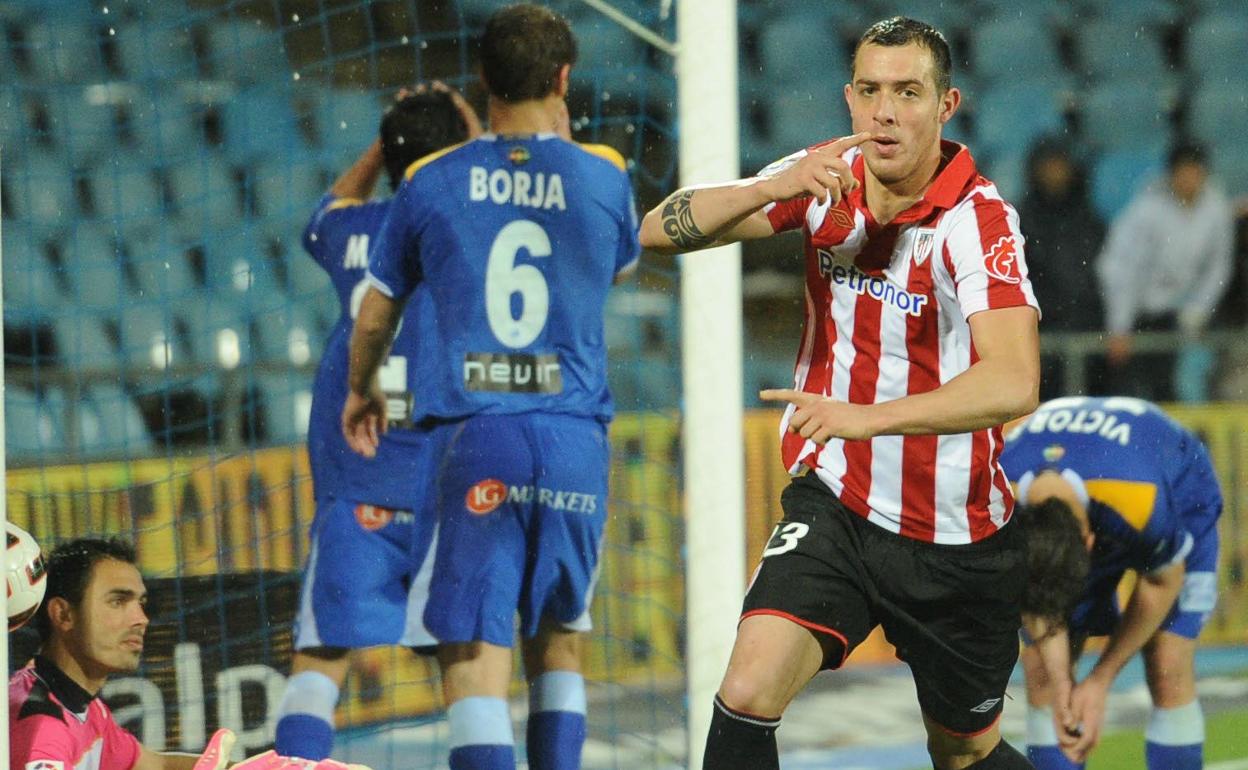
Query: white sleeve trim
point(380, 285)
point(1180, 555)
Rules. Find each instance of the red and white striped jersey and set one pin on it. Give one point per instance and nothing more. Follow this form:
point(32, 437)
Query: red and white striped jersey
point(886, 317)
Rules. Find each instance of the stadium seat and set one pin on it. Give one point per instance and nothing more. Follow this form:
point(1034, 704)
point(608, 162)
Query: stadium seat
point(287, 334)
point(610, 50)
point(1009, 117)
point(807, 113)
point(790, 45)
point(1155, 13)
point(1219, 110)
point(164, 125)
point(31, 290)
point(82, 343)
point(1110, 49)
point(110, 423)
point(308, 281)
point(1119, 174)
point(246, 52)
point(1125, 113)
point(65, 50)
point(286, 192)
point(15, 119)
point(158, 259)
point(1038, 11)
point(346, 121)
point(206, 190)
point(32, 428)
point(82, 128)
point(159, 52)
point(1215, 46)
point(149, 339)
point(42, 189)
point(287, 406)
point(1008, 49)
point(238, 262)
point(1231, 169)
point(95, 265)
point(1009, 173)
point(260, 122)
point(126, 191)
point(219, 334)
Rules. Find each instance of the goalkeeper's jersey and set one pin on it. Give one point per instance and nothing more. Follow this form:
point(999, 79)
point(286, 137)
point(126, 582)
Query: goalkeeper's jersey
point(338, 237)
point(54, 724)
point(517, 241)
point(1148, 480)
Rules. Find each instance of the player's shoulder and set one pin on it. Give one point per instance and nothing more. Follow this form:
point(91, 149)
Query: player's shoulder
point(604, 152)
point(432, 159)
point(33, 701)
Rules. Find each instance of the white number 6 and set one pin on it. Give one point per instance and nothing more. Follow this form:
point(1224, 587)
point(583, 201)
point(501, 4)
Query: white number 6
point(503, 278)
point(789, 534)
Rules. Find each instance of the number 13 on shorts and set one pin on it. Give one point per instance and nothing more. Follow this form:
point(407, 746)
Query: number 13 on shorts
point(784, 538)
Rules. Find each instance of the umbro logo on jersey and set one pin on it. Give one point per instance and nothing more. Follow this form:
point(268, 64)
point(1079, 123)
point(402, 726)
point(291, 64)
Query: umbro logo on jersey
point(1001, 261)
point(986, 706)
point(841, 218)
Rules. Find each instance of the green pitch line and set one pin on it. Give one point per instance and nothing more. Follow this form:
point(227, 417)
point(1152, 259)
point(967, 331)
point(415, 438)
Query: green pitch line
point(1225, 747)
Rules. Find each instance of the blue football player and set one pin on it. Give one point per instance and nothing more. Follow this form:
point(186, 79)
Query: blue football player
point(1109, 485)
point(515, 240)
point(367, 572)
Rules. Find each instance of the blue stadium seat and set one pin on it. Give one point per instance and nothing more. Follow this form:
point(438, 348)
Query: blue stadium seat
point(1231, 168)
point(308, 281)
point(1219, 111)
point(247, 52)
point(1110, 49)
point(1009, 117)
point(126, 191)
point(1009, 173)
point(603, 45)
point(1123, 113)
point(218, 331)
point(237, 263)
point(158, 258)
point(164, 125)
point(16, 130)
point(1119, 174)
point(1008, 49)
point(110, 423)
point(149, 340)
point(42, 189)
point(287, 192)
point(1154, 13)
point(95, 265)
point(205, 190)
point(82, 343)
point(808, 113)
point(83, 128)
point(346, 120)
point(65, 50)
point(1038, 11)
point(260, 122)
point(287, 400)
point(287, 334)
point(1215, 46)
point(155, 52)
point(31, 290)
point(949, 16)
point(32, 428)
point(799, 46)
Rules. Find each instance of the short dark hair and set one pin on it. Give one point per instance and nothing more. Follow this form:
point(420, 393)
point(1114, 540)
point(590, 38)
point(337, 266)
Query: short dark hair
point(416, 126)
point(1057, 560)
point(522, 49)
point(899, 31)
point(69, 571)
point(1187, 151)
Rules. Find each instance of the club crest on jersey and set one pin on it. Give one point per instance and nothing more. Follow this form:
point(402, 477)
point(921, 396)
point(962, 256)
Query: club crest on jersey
point(373, 518)
point(485, 496)
point(519, 155)
point(1001, 261)
point(1054, 452)
point(923, 242)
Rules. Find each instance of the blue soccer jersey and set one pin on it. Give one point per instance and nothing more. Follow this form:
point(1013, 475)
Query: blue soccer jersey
point(1153, 498)
point(339, 237)
point(518, 241)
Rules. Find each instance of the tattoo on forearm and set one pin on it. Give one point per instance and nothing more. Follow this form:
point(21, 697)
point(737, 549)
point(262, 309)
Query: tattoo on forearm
point(678, 222)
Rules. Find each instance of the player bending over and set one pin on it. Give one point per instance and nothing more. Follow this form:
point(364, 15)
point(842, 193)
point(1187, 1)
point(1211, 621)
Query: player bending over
point(368, 566)
point(1113, 484)
point(508, 246)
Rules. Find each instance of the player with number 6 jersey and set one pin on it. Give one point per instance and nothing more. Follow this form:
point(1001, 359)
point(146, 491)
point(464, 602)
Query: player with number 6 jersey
point(515, 240)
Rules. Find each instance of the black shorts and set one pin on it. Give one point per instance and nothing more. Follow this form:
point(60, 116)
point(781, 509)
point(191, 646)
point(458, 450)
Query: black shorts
point(952, 611)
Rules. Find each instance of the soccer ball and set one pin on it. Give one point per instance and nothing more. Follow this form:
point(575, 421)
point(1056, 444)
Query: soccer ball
point(25, 574)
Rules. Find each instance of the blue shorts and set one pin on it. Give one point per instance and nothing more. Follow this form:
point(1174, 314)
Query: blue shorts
point(1098, 615)
point(367, 577)
point(522, 503)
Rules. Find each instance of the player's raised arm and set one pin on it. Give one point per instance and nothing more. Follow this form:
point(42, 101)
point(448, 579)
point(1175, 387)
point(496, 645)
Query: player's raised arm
point(695, 218)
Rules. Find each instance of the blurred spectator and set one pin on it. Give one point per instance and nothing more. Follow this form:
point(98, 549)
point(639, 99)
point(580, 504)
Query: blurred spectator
point(1064, 235)
point(1165, 266)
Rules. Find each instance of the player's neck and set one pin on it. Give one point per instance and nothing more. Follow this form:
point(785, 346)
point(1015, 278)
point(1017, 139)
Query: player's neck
point(56, 651)
point(887, 200)
point(534, 116)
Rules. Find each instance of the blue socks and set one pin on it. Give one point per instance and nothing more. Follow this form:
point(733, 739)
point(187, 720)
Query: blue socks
point(1175, 738)
point(481, 737)
point(1042, 748)
point(556, 732)
point(305, 724)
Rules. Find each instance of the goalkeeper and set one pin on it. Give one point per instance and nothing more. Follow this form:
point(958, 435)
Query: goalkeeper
point(92, 624)
point(367, 574)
